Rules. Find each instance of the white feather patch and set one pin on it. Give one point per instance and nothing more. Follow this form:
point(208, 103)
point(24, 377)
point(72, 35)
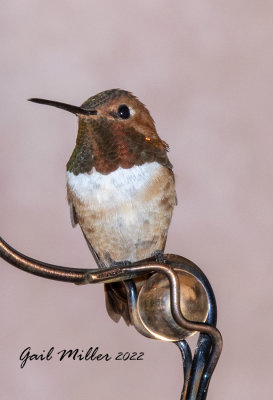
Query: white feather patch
point(116, 187)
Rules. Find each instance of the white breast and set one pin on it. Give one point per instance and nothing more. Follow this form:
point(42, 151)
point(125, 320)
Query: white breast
point(117, 187)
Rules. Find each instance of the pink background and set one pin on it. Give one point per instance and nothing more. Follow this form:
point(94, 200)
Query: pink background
point(204, 69)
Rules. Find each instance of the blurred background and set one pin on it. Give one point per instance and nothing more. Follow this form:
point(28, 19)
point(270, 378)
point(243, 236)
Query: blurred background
point(204, 70)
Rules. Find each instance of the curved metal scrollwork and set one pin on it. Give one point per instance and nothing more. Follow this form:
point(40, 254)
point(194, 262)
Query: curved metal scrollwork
point(197, 370)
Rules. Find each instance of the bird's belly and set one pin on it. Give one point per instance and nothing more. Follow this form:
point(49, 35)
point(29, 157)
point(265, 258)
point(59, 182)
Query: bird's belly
point(125, 215)
point(127, 233)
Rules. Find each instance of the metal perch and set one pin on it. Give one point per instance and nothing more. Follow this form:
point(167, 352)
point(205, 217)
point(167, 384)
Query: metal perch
point(170, 278)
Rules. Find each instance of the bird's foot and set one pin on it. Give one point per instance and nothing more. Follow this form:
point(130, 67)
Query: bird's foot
point(124, 263)
point(159, 256)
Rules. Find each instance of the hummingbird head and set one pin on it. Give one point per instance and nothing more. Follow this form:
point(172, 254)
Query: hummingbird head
point(115, 130)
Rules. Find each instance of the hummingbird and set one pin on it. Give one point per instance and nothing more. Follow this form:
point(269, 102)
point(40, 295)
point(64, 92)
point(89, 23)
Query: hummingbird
point(120, 185)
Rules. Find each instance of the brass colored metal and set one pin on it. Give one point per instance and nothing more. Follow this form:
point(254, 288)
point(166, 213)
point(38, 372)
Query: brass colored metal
point(179, 273)
point(154, 308)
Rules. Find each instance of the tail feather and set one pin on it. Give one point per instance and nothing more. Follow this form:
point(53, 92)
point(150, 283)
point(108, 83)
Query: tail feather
point(116, 302)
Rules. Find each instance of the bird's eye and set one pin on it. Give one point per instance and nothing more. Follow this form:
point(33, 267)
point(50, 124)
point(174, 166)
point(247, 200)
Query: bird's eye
point(124, 112)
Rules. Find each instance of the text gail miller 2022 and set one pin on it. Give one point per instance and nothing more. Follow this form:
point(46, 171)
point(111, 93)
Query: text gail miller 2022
point(92, 354)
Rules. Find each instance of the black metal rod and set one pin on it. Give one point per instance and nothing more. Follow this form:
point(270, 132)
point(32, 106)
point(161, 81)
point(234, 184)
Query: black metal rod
point(187, 364)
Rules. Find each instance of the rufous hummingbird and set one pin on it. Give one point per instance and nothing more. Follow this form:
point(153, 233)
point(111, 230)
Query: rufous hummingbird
point(120, 183)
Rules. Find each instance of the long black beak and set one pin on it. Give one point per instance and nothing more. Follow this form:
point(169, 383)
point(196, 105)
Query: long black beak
point(64, 106)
